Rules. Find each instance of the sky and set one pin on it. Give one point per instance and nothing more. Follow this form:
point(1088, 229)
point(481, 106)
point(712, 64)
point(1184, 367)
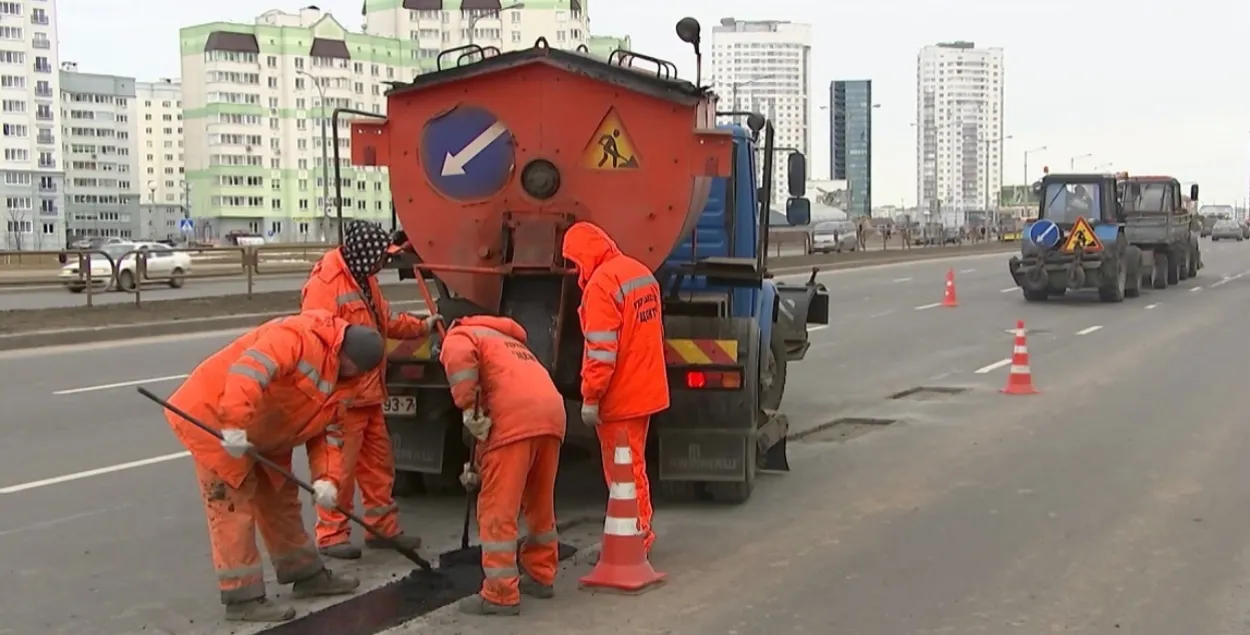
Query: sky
point(1147, 86)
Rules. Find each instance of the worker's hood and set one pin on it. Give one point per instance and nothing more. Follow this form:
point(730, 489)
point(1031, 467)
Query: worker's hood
point(504, 325)
point(328, 328)
point(365, 248)
point(588, 247)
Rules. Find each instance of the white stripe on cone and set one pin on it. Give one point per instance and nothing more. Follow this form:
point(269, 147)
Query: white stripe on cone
point(621, 527)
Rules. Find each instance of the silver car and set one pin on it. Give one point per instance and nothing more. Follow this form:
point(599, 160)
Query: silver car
point(834, 236)
point(1228, 229)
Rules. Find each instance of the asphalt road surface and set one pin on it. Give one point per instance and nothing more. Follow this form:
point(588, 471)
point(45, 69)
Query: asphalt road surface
point(1114, 502)
point(56, 297)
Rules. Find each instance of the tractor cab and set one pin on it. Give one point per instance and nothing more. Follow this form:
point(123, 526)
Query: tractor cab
point(1064, 198)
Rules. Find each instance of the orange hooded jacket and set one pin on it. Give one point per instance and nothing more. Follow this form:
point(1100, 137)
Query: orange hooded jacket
point(489, 353)
point(278, 383)
point(623, 369)
point(332, 288)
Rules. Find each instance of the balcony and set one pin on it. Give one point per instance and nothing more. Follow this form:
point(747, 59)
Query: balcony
point(47, 165)
point(39, 19)
point(41, 44)
point(44, 116)
point(45, 141)
point(43, 68)
point(43, 92)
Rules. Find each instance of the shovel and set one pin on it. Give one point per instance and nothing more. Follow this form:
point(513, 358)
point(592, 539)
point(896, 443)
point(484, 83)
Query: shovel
point(466, 555)
point(389, 542)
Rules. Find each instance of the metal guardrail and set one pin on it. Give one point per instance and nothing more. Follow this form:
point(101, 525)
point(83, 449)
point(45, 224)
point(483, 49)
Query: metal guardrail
point(132, 271)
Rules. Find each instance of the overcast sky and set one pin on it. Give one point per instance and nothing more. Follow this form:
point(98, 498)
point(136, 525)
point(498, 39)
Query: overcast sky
point(1150, 86)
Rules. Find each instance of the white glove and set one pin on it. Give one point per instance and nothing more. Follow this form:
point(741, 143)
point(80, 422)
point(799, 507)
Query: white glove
point(432, 321)
point(325, 494)
point(470, 479)
point(235, 442)
point(477, 424)
point(590, 414)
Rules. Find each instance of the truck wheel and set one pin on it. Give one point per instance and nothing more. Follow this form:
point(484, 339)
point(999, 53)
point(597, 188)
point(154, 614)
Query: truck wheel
point(1174, 267)
point(773, 379)
point(1161, 270)
point(1036, 296)
point(1132, 274)
point(735, 493)
point(1193, 263)
point(1114, 292)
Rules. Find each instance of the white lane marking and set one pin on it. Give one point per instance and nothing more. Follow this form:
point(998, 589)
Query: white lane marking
point(803, 272)
point(1087, 331)
point(56, 480)
point(1221, 282)
point(928, 306)
point(817, 327)
point(881, 314)
point(120, 384)
point(1195, 289)
point(996, 365)
point(1008, 289)
point(967, 270)
point(1151, 306)
point(902, 279)
point(45, 524)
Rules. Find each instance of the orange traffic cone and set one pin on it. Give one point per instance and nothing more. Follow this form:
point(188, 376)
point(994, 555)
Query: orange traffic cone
point(1020, 379)
point(949, 299)
point(623, 566)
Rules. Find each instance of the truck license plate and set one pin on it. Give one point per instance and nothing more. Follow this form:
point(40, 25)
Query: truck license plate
point(400, 406)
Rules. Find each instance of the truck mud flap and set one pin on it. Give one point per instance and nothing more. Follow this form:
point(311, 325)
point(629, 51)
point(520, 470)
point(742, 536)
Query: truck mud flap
point(798, 306)
point(417, 443)
point(703, 455)
point(771, 442)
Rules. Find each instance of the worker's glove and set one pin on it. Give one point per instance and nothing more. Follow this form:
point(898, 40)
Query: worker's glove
point(470, 479)
point(432, 322)
point(477, 424)
point(325, 494)
point(235, 442)
point(590, 414)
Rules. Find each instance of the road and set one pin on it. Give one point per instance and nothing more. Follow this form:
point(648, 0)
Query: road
point(53, 297)
point(1115, 501)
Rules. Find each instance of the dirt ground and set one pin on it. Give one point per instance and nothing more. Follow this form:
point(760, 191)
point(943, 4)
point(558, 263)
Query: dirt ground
point(22, 321)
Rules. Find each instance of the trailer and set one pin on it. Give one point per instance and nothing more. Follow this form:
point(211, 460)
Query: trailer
point(1159, 222)
point(494, 155)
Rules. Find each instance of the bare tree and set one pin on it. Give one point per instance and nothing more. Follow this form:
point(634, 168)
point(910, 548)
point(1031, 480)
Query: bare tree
point(15, 227)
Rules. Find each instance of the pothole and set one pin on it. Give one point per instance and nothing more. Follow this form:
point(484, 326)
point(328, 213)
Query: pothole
point(841, 430)
point(928, 393)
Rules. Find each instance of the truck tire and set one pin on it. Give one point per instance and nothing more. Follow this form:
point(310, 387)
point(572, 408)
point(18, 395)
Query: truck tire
point(735, 493)
point(1194, 259)
point(1161, 270)
point(1174, 267)
point(773, 378)
point(1036, 296)
point(1114, 292)
point(1132, 272)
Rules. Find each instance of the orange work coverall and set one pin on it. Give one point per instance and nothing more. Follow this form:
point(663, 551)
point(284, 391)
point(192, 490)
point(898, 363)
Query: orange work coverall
point(519, 459)
point(277, 383)
point(624, 377)
point(332, 287)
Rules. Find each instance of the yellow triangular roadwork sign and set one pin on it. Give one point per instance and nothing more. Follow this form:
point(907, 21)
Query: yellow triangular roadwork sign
point(611, 147)
point(1082, 235)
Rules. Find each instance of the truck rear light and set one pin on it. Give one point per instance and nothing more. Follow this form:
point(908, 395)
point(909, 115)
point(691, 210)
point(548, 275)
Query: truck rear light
point(715, 380)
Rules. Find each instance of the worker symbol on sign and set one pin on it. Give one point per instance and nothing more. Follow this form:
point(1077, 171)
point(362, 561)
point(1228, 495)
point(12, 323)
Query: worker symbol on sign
point(611, 147)
point(1082, 237)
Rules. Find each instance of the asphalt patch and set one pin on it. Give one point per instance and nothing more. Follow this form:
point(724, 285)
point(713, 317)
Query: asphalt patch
point(841, 430)
point(401, 601)
point(928, 393)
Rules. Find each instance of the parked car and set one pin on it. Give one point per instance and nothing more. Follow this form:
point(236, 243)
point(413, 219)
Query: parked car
point(1228, 229)
point(834, 237)
point(164, 266)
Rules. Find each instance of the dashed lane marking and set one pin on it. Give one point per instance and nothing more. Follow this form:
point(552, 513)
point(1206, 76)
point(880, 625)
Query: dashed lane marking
point(1088, 330)
point(120, 384)
point(967, 270)
point(1195, 289)
point(56, 480)
point(1009, 289)
point(1151, 306)
point(902, 279)
point(992, 367)
point(928, 306)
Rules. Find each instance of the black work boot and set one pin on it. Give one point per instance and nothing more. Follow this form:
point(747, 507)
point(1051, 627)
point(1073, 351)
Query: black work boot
point(409, 542)
point(324, 584)
point(529, 586)
point(258, 610)
point(477, 605)
point(341, 551)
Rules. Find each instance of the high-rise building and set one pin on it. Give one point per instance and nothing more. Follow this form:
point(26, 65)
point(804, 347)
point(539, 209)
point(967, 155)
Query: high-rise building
point(433, 26)
point(101, 156)
point(257, 99)
point(32, 185)
point(959, 129)
point(850, 129)
point(163, 191)
point(765, 67)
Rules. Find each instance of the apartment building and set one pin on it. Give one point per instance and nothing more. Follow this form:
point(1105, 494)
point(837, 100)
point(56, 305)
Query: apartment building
point(765, 67)
point(959, 131)
point(437, 25)
point(256, 99)
point(162, 192)
point(31, 174)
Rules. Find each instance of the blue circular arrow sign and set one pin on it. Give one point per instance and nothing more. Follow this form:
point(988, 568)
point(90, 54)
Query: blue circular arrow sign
point(1044, 233)
point(467, 153)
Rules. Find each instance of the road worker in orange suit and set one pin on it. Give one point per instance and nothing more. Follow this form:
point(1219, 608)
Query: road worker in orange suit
point(513, 410)
point(624, 379)
point(271, 390)
point(345, 283)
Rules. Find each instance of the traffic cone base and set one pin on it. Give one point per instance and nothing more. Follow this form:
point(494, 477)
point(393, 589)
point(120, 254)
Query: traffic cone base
point(623, 566)
point(949, 298)
point(1020, 377)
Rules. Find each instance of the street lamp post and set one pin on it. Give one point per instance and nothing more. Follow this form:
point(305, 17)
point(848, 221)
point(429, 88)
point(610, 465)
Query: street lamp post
point(325, 155)
point(1073, 160)
point(992, 211)
point(495, 13)
point(1026, 161)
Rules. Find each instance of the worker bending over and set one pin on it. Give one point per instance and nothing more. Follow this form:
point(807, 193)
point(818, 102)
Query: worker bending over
point(624, 379)
point(345, 283)
point(275, 388)
point(513, 410)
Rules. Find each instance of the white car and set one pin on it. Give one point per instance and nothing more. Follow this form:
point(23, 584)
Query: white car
point(164, 266)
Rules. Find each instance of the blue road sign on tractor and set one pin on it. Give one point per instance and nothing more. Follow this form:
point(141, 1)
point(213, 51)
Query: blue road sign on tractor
point(467, 153)
point(1044, 233)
